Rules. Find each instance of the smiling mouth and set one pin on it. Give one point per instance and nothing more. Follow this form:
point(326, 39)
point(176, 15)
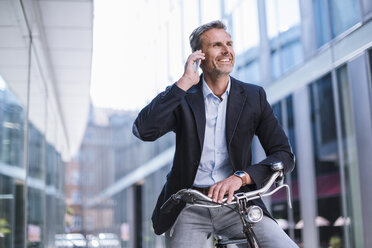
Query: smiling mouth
point(224, 60)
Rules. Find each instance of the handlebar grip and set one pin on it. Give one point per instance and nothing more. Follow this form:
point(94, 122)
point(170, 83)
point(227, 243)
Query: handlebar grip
point(169, 204)
point(277, 166)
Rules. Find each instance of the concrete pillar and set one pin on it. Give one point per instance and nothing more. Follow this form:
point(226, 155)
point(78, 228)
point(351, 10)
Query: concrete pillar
point(305, 163)
point(362, 110)
point(265, 53)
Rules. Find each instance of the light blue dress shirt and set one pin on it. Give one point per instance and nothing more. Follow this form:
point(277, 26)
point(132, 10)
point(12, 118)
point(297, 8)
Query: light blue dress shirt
point(215, 162)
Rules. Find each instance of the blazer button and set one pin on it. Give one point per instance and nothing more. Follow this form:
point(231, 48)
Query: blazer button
point(196, 162)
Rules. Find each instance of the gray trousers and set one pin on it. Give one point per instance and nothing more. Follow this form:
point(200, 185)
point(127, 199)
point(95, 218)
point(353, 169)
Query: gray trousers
point(195, 226)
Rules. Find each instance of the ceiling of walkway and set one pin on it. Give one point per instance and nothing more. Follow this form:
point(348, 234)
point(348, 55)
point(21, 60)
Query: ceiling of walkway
point(61, 54)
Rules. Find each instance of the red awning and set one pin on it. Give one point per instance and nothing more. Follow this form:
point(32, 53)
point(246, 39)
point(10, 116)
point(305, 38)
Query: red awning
point(326, 186)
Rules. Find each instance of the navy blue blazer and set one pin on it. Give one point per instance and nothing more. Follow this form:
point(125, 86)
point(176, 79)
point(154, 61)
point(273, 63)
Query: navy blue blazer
point(248, 114)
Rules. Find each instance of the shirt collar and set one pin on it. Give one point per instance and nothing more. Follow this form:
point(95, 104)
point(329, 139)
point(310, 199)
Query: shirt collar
point(207, 91)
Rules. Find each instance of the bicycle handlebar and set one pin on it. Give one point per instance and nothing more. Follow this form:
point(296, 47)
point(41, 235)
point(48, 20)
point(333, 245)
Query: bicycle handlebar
point(192, 196)
point(169, 204)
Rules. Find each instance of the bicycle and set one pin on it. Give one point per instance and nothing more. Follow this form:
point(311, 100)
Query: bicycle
point(249, 215)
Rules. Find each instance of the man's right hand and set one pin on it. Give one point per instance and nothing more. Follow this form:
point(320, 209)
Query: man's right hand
point(190, 77)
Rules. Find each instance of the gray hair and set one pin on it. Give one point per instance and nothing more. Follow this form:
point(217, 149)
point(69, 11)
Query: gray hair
point(195, 41)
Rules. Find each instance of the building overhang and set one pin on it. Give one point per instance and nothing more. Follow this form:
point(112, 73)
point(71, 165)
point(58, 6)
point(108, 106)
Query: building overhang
point(49, 45)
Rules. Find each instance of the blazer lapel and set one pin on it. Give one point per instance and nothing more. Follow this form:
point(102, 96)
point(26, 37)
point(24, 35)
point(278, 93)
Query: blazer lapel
point(235, 106)
point(196, 101)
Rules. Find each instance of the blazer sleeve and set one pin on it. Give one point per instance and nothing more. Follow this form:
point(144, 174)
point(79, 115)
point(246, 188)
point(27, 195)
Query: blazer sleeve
point(273, 140)
point(158, 118)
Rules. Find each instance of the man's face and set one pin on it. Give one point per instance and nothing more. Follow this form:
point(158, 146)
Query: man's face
point(219, 53)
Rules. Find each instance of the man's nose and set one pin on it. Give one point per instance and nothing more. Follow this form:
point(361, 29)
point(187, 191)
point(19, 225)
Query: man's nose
point(225, 50)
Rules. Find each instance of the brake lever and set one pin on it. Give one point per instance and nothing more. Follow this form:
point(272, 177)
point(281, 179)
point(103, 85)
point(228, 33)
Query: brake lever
point(188, 198)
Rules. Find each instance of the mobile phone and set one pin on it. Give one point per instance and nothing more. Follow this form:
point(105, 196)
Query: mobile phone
point(196, 65)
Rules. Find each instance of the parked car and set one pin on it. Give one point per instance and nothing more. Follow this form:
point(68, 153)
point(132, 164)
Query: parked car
point(60, 241)
point(77, 239)
point(92, 241)
point(109, 240)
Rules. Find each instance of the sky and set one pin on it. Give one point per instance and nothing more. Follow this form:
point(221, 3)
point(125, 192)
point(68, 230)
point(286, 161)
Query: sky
point(120, 56)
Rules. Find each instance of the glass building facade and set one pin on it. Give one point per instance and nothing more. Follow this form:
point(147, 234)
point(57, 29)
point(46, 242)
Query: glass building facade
point(31, 174)
point(109, 152)
point(33, 138)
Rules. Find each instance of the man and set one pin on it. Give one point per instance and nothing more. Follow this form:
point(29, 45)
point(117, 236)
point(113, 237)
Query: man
point(215, 118)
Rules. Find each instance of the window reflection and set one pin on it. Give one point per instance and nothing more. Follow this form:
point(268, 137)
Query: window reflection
point(6, 210)
point(12, 200)
point(245, 26)
point(249, 72)
point(370, 73)
point(51, 164)
point(321, 22)
point(245, 32)
point(333, 17)
point(284, 33)
point(343, 15)
point(44, 187)
point(35, 217)
point(282, 15)
point(35, 152)
point(353, 219)
point(11, 130)
point(326, 161)
point(286, 217)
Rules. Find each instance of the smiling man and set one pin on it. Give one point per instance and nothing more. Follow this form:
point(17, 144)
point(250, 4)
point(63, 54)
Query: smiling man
point(215, 118)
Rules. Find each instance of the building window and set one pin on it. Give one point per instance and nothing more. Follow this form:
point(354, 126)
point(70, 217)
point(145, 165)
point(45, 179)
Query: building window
point(35, 220)
point(370, 73)
point(89, 222)
point(249, 72)
point(336, 168)
point(245, 26)
point(75, 177)
point(286, 217)
point(333, 17)
point(343, 15)
point(351, 219)
point(245, 34)
point(284, 33)
point(326, 161)
point(35, 152)
point(367, 8)
point(12, 126)
point(77, 223)
point(7, 195)
point(76, 197)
